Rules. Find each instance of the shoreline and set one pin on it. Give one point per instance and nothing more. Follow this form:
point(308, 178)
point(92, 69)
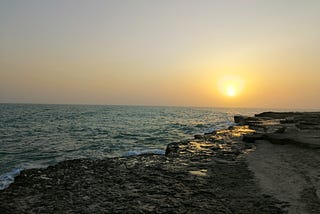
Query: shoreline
point(217, 172)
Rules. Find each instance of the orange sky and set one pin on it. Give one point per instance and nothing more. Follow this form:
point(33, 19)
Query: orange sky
point(161, 52)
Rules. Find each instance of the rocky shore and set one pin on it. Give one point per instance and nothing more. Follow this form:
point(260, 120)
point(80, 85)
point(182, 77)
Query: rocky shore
point(269, 163)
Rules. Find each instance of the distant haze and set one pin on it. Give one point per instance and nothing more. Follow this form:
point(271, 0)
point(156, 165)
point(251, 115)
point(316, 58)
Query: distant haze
point(161, 52)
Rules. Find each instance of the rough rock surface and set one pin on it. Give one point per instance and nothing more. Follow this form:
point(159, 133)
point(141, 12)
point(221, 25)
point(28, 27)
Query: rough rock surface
point(213, 173)
point(286, 160)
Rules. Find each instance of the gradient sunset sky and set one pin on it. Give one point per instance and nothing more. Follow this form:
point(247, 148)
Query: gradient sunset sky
point(182, 53)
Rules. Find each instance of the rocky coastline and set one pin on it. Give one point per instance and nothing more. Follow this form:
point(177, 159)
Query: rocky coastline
point(269, 163)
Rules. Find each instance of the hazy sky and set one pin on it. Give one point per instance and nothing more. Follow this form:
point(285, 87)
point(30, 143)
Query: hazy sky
point(161, 52)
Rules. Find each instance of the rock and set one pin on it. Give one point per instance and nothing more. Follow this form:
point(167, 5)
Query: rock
point(200, 137)
point(278, 115)
point(206, 174)
point(287, 130)
point(240, 120)
point(253, 137)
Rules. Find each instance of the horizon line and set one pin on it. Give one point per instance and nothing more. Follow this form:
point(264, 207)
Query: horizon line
point(148, 105)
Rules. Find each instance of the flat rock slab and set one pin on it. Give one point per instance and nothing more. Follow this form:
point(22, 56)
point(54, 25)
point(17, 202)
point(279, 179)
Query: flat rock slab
point(303, 139)
point(286, 161)
point(289, 173)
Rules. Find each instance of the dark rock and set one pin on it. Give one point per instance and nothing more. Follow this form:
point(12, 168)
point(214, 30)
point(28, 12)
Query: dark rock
point(200, 137)
point(171, 148)
point(280, 115)
point(241, 120)
point(253, 137)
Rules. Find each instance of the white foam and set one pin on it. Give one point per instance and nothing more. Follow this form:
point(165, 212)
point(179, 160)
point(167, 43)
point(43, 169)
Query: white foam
point(8, 178)
point(145, 151)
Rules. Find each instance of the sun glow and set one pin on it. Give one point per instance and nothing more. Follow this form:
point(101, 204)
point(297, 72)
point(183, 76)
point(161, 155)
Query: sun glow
point(230, 86)
point(231, 91)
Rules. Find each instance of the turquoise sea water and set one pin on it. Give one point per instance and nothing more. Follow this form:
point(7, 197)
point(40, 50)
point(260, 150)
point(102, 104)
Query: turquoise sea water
point(33, 136)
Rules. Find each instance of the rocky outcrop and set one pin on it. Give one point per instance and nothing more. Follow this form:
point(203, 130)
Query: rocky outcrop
point(296, 128)
point(208, 174)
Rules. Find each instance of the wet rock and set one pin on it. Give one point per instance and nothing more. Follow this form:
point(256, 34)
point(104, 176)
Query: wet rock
point(253, 137)
point(200, 137)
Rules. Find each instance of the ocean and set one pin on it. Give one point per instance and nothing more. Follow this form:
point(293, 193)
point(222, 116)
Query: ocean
point(35, 136)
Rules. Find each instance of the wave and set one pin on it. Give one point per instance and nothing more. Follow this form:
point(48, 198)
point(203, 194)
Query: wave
point(8, 178)
point(144, 151)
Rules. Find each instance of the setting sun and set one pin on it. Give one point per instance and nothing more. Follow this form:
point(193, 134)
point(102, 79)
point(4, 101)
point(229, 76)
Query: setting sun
point(230, 86)
point(231, 91)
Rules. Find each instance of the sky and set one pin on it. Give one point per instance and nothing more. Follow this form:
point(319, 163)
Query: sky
point(218, 53)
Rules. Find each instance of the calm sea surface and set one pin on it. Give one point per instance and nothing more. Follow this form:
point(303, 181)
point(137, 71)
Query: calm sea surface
point(33, 136)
